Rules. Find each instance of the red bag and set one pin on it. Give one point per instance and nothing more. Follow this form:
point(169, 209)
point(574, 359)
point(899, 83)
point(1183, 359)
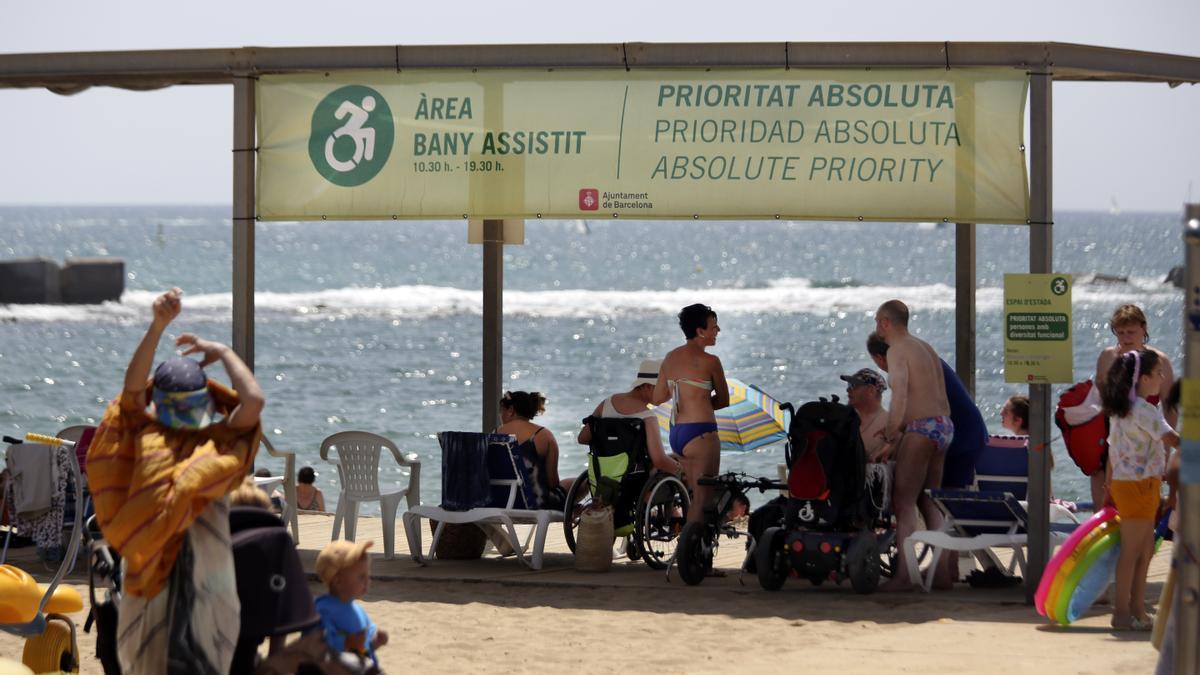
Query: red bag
point(1087, 443)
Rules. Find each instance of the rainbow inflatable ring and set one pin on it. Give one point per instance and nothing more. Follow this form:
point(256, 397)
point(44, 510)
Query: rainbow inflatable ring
point(1081, 569)
point(1084, 566)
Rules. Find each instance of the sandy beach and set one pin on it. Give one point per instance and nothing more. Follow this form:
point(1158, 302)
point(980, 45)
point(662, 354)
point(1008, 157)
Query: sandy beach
point(456, 626)
point(496, 614)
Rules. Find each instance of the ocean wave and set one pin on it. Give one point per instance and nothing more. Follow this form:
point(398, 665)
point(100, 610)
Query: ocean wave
point(789, 295)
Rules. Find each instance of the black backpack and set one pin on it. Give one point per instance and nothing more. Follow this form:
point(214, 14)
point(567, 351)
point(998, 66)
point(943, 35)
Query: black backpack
point(826, 466)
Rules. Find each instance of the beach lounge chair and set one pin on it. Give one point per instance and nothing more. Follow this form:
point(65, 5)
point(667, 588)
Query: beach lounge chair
point(976, 522)
point(504, 500)
point(358, 473)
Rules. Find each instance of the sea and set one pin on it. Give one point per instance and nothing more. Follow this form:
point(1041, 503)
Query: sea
point(377, 326)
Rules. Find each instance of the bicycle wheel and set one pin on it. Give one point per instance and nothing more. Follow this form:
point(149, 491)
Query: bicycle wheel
point(661, 513)
point(695, 553)
point(579, 498)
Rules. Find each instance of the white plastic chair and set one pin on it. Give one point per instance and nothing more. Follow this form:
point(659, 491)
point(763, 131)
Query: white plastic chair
point(290, 515)
point(358, 472)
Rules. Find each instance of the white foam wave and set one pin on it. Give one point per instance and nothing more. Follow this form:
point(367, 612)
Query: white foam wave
point(789, 295)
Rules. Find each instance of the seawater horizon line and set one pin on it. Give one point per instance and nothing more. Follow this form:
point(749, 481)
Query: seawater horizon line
point(784, 296)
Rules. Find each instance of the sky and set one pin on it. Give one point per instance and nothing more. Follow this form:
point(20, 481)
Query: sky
point(1135, 145)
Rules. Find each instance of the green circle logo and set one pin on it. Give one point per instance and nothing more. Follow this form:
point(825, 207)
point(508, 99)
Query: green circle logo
point(352, 135)
point(1059, 285)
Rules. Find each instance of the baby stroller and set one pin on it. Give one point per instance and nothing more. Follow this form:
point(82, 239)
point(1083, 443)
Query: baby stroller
point(271, 585)
point(835, 525)
point(649, 506)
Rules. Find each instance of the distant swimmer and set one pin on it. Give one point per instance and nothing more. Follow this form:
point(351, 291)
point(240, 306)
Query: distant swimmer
point(363, 137)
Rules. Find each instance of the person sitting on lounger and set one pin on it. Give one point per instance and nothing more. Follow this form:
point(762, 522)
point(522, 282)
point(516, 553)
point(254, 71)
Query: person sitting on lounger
point(308, 496)
point(1014, 416)
point(635, 403)
point(535, 444)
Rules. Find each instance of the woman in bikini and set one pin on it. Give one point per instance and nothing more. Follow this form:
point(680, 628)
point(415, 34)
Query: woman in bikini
point(308, 495)
point(694, 381)
point(536, 445)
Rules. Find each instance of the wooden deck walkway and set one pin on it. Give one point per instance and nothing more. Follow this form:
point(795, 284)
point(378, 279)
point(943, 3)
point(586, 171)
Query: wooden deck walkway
point(558, 566)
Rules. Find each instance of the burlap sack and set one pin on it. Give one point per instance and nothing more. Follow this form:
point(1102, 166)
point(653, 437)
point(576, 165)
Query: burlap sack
point(459, 541)
point(594, 540)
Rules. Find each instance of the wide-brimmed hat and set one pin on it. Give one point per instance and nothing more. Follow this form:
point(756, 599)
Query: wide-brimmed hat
point(647, 372)
point(338, 555)
point(868, 377)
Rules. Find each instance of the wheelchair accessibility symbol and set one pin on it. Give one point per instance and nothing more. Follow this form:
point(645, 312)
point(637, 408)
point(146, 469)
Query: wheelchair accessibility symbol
point(352, 135)
point(807, 514)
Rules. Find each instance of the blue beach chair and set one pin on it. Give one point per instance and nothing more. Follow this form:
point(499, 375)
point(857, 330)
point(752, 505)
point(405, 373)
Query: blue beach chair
point(1003, 466)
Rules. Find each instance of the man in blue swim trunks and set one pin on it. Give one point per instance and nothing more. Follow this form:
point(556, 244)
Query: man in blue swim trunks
point(970, 431)
point(919, 425)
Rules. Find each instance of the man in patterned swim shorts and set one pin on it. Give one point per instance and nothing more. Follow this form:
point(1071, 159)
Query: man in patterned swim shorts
point(919, 427)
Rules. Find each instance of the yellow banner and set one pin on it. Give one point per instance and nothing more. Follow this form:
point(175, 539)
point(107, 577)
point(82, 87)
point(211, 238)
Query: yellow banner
point(1037, 329)
point(908, 145)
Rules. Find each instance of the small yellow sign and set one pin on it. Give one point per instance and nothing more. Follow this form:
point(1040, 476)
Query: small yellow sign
point(1037, 329)
point(1189, 413)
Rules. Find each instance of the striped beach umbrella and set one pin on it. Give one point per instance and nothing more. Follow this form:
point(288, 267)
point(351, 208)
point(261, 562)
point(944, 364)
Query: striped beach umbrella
point(751, 420)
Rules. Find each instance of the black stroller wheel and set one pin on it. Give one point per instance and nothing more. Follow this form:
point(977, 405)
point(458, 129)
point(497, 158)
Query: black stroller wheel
point(695, 555)
point(771, 560)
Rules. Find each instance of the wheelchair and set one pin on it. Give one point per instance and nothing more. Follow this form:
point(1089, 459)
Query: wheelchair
point(649, 506)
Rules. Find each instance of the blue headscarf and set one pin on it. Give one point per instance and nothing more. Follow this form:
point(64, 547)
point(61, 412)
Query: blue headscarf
point(180, 396)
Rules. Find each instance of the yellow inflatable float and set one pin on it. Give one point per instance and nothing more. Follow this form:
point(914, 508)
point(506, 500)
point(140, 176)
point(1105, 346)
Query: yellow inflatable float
point(20, 596)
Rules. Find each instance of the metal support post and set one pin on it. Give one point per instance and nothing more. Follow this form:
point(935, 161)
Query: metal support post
point(1187, 539)
point(493, 322)
point(1041, 261)
point(964, 304)
point(244, 149)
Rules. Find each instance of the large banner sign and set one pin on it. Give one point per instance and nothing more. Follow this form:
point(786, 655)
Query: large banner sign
point(915, 145)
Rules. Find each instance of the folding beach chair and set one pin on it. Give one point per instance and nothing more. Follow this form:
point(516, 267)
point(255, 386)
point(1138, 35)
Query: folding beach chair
point(483, 483)
point(977, 522)
point(1003, 466)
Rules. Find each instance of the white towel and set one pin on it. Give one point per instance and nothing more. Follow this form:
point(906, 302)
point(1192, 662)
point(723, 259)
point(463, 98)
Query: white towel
point(1084, 412)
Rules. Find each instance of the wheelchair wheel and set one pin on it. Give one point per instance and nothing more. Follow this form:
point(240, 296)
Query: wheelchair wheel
point(661, 513)
point(695, 554)
point(862, 563)
point(771, 560)
point(54, 650)
point(579, 498)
